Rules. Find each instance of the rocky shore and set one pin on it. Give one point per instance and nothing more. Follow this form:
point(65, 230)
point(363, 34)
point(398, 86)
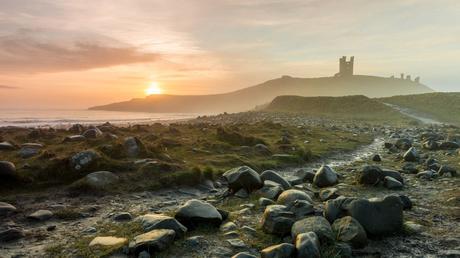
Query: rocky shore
point(245, 185)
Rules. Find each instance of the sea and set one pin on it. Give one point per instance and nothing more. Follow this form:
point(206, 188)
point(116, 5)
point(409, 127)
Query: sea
point(65, 118)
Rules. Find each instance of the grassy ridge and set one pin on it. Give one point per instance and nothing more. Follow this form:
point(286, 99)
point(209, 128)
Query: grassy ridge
point(443, 106)
point(349, 107)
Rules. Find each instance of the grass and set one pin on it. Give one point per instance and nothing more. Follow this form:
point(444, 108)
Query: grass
point(439, 105)
point(342, 108)
point(176, 164)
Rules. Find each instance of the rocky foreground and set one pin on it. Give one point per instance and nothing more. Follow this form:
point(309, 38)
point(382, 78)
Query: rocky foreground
point(396, 197)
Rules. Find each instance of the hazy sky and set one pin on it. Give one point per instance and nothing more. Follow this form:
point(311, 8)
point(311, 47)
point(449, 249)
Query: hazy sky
point(75, 54)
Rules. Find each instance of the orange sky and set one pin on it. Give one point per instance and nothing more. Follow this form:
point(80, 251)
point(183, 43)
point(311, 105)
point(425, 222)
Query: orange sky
point(72, 54)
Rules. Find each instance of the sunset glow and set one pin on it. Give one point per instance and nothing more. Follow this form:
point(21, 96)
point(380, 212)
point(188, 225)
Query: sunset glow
point(153, 89)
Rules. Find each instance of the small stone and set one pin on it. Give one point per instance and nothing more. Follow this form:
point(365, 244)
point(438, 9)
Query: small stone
point(229, 226)
point(244, 255)
point(41, 215)
point(236, 243)
point(122, 216)
point(153, 241)
point(278, 251)
point(108, 241)
point(6, 208)
point(265, 202)
point(392, 183)
point(376, 158)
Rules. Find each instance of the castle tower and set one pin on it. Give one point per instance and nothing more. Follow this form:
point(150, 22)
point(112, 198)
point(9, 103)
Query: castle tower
point(346, 67)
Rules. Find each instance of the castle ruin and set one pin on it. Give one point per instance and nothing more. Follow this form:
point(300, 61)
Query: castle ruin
point(345, 67)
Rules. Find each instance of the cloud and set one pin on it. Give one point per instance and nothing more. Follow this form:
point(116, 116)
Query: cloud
point(25, 54)
point(6, 87)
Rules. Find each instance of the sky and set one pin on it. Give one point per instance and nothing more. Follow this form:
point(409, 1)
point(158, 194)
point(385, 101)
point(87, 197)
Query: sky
point(77, 54)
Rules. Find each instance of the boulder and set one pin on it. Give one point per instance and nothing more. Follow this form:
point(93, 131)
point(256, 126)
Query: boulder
point(301, 208)
point(7, 170)
point(11, 234)
point(307, 245)
point(41, 215)
point(154, 241)
point(428, 174)
point(392, 173)
point(391, 183)
point(6, 208)
point(275, 177)
point(328, 194)
point(348, 230)
point(284, 250)
point(133, 146)
point(370, 175)
point(6, 146)
point(290, 196)
point(150, 222)
point(337, 208)
point(378, 216)
point(411, 155)
point(277, 219)
point(325, 177)
point(317, 224)
point(270, 190)
point(243, 178)
point(195, 213)
point(99, 180)
point(403, 144)
point(406, 202)
point(92, 133)
point(83, 160)
point(108, 241)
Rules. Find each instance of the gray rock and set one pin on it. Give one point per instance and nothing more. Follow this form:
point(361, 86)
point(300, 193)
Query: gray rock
point(325, 177)
point(278, 251)
point(265, 202)
point(348, 230)
point(430, 145)
point(270, 190)
point(370, 175)
point(74, 138)
point(337, 208)
point(289, 196)
point(6, 146)
point(99, 179)
point(7, 170)
point(262, 149)
point(403, 144)
point(236, 243)
point(122, 216)
point(306, 176)
point(243, 177)
point(394, 174)
point(150, 222)
point(301, 208)
point(277, 219)
point(406, 202)
point(443, 170)
point(92, 133)
point(449, 145)
point(41, 215)
point(244, 255)
point(29, 150)
point(133, 146)
point(195, 212)
point(391, 183)
point(154, 241)
point(328, 194)
point(409, 168)
point(6, 208)
point(376, 158)
point(275, 177)
point(11, 234)
point(317, 224)
point(307, 245)
point(411, 155)
point(429, 174)
point(242, 193)
point(229, 226)
point(83, 159)
point(143, 254)
point(378, 216)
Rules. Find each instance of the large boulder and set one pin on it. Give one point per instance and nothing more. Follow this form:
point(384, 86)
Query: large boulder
point(378, 216)
point(325, 177)
point(301, 208)
point(337, 208)
point(284, 250)
point(288, 197)
point(277, 219)
point(348, 230)
point(317, 224)
point(154, 241)
point(370, 175)
point(195, 213)
point(411, 155)
point(307, 245)
point(150, 222)
point(7, 170)
point(243, 178)
point(275, 177)
point(83, 160)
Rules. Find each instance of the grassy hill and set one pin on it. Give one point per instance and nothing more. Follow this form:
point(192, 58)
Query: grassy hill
point(349, 107)
point(249, 98)
point(442, 106)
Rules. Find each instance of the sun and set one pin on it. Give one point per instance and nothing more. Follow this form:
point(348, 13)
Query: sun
point(153, 89)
